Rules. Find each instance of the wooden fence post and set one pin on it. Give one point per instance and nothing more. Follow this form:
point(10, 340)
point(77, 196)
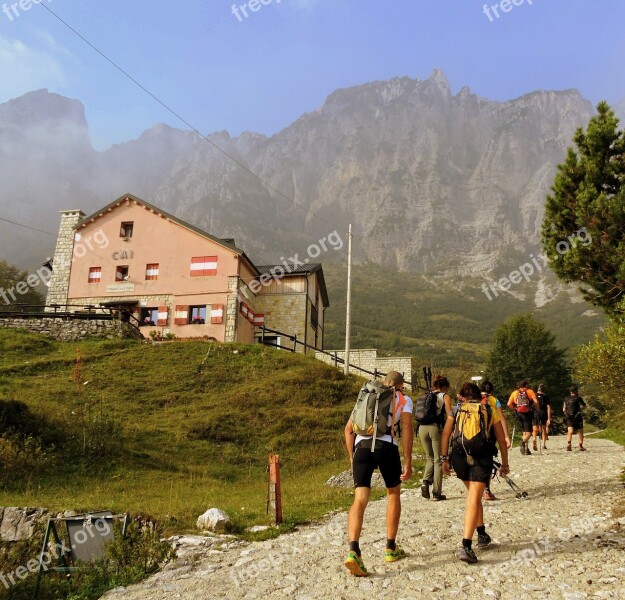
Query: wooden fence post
point(275, 489)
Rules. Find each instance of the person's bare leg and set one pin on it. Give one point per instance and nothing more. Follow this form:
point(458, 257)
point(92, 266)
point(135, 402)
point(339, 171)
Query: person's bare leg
point(569, 435)
point(393, 511)
point(357, 513)
point(474, 513)
point(581, 436)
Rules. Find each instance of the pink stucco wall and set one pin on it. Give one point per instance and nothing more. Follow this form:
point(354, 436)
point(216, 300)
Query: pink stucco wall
point(156, 240)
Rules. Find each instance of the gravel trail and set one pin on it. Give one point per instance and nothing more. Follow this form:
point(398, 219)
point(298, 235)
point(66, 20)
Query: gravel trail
point(564, 541)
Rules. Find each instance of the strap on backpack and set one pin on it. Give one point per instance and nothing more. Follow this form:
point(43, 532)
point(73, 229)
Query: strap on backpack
point(392, 412)
point(375, 421)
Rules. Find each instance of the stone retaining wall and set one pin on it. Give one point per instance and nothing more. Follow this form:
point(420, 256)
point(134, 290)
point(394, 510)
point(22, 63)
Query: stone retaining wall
point(369, 360)
point(73, 330)
point(18, 524)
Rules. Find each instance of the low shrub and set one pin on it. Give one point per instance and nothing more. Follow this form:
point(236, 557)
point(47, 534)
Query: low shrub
point(127, 560)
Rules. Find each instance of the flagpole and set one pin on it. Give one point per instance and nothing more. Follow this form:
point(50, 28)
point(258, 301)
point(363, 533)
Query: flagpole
point(348, 316)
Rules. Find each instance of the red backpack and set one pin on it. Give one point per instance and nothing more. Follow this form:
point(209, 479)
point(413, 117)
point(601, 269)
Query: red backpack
point(523, 402)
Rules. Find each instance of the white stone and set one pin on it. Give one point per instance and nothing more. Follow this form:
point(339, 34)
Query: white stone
point(213, 519)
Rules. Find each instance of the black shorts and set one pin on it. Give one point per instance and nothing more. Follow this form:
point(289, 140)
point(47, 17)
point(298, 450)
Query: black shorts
point(575, 422)
point(525, 421)
point(481, 471)
point(540, 418)
point(386, 458)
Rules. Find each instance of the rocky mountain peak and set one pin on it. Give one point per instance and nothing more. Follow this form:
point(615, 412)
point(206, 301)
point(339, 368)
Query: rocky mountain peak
point(433, 183)
point(42, 107)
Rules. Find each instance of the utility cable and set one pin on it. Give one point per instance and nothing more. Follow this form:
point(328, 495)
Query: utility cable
point(182, 119)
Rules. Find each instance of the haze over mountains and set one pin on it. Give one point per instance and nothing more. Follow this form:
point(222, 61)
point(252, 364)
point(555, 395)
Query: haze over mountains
point(433, 183)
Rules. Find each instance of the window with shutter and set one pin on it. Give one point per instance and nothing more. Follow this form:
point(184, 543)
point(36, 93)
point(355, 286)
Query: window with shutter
point(163, 316)
point(181, 316)
point(202, 266)
point(95, 274)
point(217, 314)
point(151, 272)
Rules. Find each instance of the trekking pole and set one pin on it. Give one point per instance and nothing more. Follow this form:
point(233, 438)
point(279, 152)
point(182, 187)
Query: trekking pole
point(513, 432)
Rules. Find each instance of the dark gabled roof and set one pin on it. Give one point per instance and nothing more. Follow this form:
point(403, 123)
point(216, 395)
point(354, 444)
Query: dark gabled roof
point(226, 243)
point(311, 268)
point(308, 269)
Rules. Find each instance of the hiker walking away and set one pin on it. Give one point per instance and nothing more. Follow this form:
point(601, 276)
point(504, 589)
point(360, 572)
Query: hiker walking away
point(468, 428)
point(487, 389)
point(542, 417)
point(431, 412)
point(375, 446)
point(523, 401)
point(572, 410)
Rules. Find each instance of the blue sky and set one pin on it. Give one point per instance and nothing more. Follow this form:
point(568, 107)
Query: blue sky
point(262, 72)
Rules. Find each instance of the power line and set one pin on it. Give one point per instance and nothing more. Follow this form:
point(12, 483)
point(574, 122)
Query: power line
point(28, 227)
point(182, 119)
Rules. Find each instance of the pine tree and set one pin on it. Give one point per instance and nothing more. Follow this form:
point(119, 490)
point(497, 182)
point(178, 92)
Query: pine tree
point(583, 232)
point(523, 348)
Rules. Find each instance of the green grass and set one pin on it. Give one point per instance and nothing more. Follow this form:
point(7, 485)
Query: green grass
point(615, 430)
point(189, 439)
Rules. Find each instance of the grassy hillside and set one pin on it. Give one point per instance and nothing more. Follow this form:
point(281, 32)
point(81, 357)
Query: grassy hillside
point(173, 429)
point(439, 321)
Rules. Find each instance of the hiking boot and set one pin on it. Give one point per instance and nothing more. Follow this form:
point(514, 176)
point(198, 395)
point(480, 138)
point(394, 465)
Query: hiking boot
point(466, 555)
point(354, 564)
point(535, 446)
point(394, 555)
point(439, 497)
point(483, 540)
point(527, 450)
point(568, 447)
point(488, 495)
point(522, 448)
point(425, 491)
point(581, 448)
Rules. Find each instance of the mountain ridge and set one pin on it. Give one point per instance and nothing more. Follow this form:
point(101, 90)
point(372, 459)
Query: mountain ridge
point(433, 182)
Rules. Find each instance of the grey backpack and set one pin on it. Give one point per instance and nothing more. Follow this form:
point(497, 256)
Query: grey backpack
point(372, 410)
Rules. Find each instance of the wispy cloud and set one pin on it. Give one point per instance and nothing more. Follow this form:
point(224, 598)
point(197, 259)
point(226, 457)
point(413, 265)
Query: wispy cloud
point(24, 68)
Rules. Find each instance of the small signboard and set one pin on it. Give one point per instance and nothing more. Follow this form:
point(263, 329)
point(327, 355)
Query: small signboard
point(118, 288)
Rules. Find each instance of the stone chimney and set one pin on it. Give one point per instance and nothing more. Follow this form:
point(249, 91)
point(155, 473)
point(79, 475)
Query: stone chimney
point(58, 289)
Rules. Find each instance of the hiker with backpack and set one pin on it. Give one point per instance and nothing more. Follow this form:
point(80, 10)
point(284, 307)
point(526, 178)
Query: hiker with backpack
point(487, 389)
point(523, 402)
point(572, 410)
point(431, 411)
point(380, 415)
point(542, 417)
point(468, 429)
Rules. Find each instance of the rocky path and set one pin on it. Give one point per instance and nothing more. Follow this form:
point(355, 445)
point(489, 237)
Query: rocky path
point(564, 541)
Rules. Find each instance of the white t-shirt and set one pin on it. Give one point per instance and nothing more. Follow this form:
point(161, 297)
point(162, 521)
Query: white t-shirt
point(387, 438)
point(440, 402)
